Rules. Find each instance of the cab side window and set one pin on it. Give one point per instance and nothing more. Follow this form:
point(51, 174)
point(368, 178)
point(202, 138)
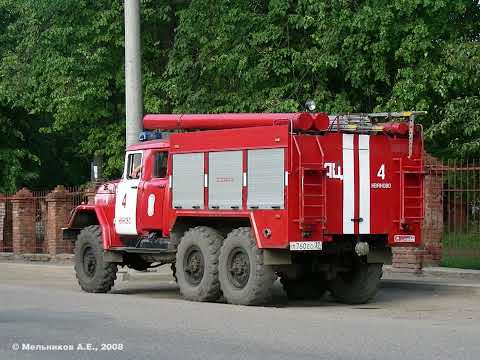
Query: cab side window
point(134, 167)
point(160, 164)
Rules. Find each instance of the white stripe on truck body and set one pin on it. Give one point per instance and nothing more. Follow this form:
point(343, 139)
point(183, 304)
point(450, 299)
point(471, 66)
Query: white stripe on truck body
point(348, 184)
point(364, 178)
point(353, 176)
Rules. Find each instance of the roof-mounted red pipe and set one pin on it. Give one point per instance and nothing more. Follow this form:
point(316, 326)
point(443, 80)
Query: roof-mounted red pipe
point(299, 121)
point(322, 121)
point(395, 128)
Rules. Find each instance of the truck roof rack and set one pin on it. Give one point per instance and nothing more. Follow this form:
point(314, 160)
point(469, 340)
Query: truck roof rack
point(368, 122)
point(374, 122)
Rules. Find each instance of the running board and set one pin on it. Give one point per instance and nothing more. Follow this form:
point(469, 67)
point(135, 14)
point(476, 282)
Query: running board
point(143, 250)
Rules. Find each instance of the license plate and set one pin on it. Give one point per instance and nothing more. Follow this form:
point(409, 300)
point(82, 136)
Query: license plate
point(305, 245)
point(404, 238)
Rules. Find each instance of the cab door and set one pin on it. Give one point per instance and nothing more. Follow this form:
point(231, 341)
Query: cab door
point(152, 193)
point(127, 193)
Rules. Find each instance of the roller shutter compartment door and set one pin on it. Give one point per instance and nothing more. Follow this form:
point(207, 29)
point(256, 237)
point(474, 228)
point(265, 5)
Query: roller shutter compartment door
point(188, 181)
point(266, 179)
point(225, 180)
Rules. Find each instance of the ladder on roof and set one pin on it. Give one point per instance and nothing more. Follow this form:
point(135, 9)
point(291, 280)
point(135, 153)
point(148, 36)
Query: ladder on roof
point(367, 123)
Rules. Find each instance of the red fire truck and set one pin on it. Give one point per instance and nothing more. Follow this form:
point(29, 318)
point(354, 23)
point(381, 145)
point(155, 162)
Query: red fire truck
point(235, 201)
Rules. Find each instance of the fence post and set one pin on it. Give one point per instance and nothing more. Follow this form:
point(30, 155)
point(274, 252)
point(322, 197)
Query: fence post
point(2, 220)
point(58, 206)
point(90, 192)
point(23, 222)
point(411, 259)
point(433, 221)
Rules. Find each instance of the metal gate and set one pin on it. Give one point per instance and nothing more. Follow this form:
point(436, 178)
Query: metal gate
point(460, 198)
point(40, 219)
point(6, 234)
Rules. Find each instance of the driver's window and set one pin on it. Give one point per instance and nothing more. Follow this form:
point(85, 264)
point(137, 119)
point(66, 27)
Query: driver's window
point(160, 164)
point(134, 166)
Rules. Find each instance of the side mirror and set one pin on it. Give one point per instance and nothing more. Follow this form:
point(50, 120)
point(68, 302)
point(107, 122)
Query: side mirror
point(96, 168)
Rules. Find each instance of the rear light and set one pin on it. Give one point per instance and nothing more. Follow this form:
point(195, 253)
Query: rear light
point(404, 238)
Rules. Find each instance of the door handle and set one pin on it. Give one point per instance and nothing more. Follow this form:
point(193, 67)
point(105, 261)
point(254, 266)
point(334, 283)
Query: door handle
point(134, 187)
point(161, 186)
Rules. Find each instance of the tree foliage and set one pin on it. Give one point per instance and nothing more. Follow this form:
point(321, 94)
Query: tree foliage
point(62, 70)
point(347, 55)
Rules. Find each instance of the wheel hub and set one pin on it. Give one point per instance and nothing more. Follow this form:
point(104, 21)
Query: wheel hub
point(238, 267)
point(194, 266)
point(89, 262)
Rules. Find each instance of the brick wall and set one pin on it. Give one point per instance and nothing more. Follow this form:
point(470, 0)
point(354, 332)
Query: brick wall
point(59, 204)
point(23, 227)
point(33, 217)
point(411, 259)
point(408, 259)
point(433, 224)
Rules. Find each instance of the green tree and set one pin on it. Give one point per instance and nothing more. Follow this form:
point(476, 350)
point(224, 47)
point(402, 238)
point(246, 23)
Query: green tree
point(62, 71)
point(63, 62)
point(17, 162)
point(347, 55)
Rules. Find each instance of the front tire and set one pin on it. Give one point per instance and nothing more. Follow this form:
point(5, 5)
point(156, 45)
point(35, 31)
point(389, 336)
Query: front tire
point(359, 285)
point(197, 264)
point(93, 273)
point(244, 279)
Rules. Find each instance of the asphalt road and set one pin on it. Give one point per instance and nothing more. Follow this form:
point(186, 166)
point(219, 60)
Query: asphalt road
point(42, 305)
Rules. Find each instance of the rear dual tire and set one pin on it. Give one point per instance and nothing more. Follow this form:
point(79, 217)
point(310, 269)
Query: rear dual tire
point(359, 285)
point(208, 265)
point(309, 287)
point(197, 264)
point(244, 278)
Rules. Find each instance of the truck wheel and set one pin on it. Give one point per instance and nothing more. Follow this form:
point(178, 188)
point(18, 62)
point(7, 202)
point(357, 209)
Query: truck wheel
point(358, 285)
point(174, 271)
point(244, 279)
point(197, 264)
point(93, 273)
point(307, 288)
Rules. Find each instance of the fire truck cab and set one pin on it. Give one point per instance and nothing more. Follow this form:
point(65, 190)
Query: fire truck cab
point(235, 201)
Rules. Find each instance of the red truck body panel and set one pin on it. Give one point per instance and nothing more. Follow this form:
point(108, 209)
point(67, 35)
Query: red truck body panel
point(336, 183)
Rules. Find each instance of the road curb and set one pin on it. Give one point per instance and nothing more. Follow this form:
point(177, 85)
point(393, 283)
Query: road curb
point(452, 273)
point(438, 272)
point(36, 258)
point(430, 286)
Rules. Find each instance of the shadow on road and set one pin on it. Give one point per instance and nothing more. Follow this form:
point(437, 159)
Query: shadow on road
point(389, 294)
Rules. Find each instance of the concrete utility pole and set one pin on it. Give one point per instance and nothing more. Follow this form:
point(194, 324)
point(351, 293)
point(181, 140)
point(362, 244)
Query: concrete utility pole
point(133, 72)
